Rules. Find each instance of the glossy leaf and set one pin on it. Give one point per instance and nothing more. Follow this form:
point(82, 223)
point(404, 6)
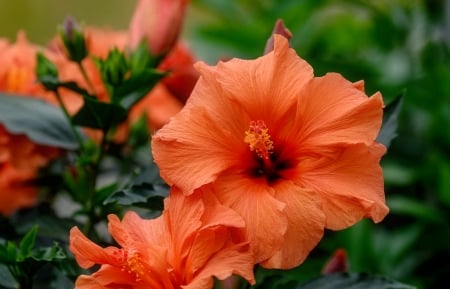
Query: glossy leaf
point(43, 123)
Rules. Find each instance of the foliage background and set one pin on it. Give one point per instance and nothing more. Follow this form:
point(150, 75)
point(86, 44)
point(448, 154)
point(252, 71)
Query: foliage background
point(396, 46)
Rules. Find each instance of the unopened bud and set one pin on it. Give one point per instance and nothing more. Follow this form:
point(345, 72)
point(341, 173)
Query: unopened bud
point(73, 39)
point(159, 23)
point(337, 263)
point(279, 28)
point(114, 68)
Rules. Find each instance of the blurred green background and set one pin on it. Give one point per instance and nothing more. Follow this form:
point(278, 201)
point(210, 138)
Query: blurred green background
point(396, 46)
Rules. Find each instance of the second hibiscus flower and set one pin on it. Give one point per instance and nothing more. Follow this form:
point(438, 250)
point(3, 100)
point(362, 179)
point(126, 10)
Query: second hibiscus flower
point(293, 154)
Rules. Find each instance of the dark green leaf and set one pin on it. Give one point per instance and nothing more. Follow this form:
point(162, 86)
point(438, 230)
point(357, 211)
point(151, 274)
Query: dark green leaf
point(136, 87)
point(411, 207)
point(353, 281)
point(6, 279)
point(390, 121)
point(11, 248)
point(102, 193)
point(49, 253)
point(27, 243)
point(43, 123)
point(99, 115)
point(144, 195)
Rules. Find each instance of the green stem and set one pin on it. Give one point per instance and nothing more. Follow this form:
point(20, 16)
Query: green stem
point(94, 172)
point(69, 119)
point(86, 77)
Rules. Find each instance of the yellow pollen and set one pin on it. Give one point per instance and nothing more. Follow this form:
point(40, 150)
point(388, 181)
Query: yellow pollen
point(135, 266)
point(258, 138)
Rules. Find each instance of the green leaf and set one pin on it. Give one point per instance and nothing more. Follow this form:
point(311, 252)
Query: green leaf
point(49, 254)
point(390, 121)
point(6, 279)
point(136, 87)
point(416, 208)
point(102, 193)
point(10, 252)
point(27, 243)
point(353, 281)
point(144, 195)
point(43, 123)
point(99, 115)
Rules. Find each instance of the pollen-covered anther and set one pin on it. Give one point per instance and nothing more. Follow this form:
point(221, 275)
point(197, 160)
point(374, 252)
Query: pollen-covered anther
point(258, 139)
point(135, 266)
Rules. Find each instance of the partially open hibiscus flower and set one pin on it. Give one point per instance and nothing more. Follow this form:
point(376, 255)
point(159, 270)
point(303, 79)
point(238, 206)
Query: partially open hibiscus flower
point(195, 239)
point(291, 153)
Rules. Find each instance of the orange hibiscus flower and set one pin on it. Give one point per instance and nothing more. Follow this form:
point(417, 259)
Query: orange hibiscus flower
point(291, 153)
point(21, 158)
point(16, 188)
point(194, 239)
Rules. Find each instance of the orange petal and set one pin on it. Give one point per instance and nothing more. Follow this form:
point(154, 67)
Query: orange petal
point(88, 282)
point(182, 216)
point(112, 277)
point(232, 259)
point(264, 215)
point(87, 253)
point(193, 134)
point(265, 87)
point(332, 110)
point(350, 184)
point(306, 222)
point(216, 214)
point(147, 231)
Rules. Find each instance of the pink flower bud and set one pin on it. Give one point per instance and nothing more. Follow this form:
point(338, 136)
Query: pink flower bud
point(337, 263)
point(279, 28)
point(159, 22)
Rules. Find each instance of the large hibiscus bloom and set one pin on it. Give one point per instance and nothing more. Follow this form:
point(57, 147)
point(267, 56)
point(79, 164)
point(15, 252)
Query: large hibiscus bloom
point(291, 153)
point(195, 239)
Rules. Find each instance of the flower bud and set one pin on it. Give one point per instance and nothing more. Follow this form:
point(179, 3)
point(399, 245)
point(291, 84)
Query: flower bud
point(337, 263)
point(46, 72)
point(158, 23)
point(73, 39)
point(279, 28)
point(114, 68)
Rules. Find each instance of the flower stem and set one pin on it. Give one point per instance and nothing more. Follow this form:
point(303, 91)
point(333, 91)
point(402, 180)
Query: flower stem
point(86, 77)
point(69, 119)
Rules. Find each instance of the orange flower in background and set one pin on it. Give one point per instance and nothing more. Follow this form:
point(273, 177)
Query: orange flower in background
point(17, 64)
point(20, 160)
point(183, 76)
point(159, 23)
point(291, 153)
point(16, 189)
point(195, 239)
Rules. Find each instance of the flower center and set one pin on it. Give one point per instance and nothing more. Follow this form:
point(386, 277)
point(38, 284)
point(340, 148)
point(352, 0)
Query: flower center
point(135, 266)
point(258, 138)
